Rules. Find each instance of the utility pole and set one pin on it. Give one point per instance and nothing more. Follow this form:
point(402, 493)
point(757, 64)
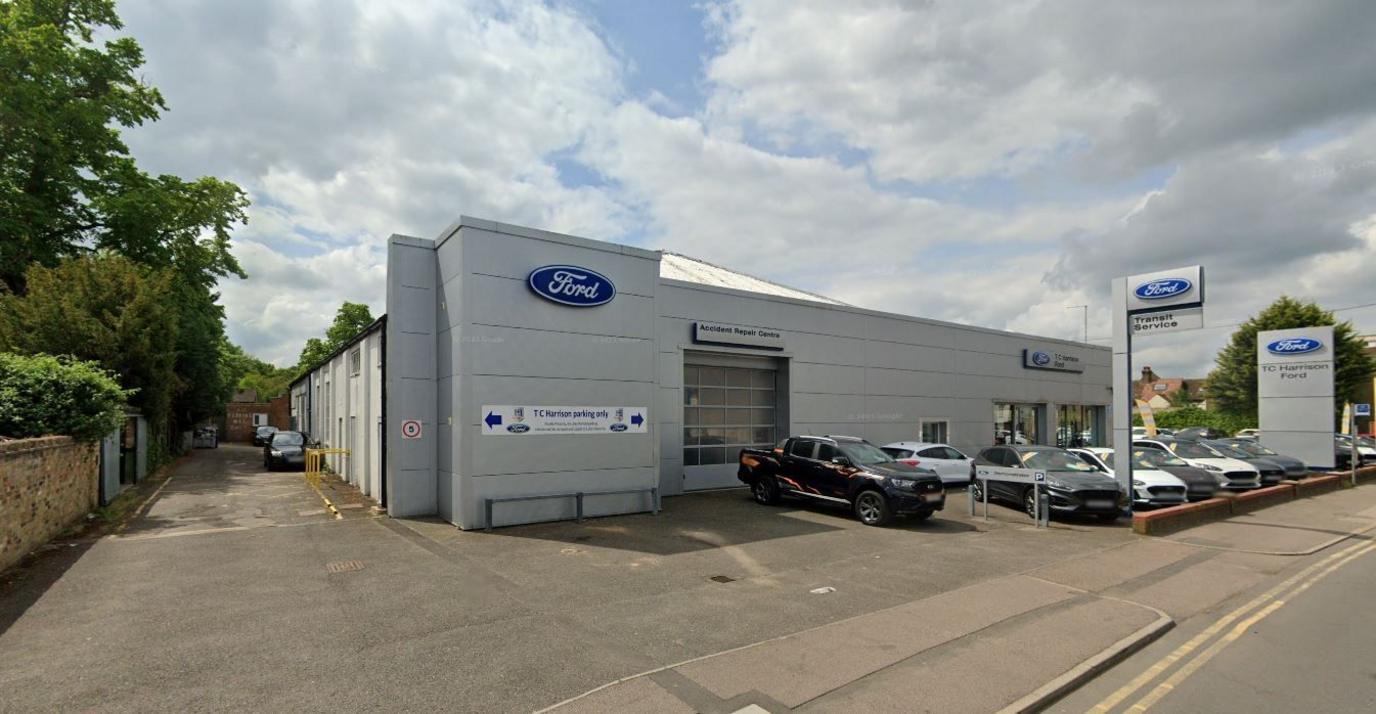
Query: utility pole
point(1086, 309)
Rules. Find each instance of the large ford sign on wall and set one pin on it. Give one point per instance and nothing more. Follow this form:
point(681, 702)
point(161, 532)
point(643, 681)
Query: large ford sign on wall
point(1294, 346)
point(572, 285)
point(1053, 359)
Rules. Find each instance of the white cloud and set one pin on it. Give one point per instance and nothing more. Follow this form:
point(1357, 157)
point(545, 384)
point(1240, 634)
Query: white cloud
point(1001, 160)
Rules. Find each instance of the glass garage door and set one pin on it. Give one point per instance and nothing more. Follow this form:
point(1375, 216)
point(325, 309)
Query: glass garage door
point(725, 409)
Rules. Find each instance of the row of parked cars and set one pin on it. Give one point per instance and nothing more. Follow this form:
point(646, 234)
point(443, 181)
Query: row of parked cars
point(910, 478)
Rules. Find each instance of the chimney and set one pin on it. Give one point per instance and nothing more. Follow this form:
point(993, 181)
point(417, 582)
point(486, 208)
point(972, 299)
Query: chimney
point(1148, 375)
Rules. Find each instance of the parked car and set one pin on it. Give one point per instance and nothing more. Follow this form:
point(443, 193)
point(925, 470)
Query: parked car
point(843, 470)
point(1150, 487)
point(285, 449)
point(1253, 434)
point(263, 434)
point(1294, 468)
point(1074, 487)
point(1199, 484)
point(949, 463)
point(1272, 472)
point(1366, 452)
point(1236, 475)
point(1139, 431)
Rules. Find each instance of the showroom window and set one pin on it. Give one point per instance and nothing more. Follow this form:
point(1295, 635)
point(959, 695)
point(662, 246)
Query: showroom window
point(1078, 425)
point(1017, 423)
point(726, 409)
point(935, 431)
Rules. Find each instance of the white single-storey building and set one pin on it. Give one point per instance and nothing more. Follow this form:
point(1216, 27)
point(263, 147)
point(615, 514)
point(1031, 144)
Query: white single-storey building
point(535, 376)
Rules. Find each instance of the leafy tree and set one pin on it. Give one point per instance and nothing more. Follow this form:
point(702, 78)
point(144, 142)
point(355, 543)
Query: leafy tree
point(1233, 382)
point(108, 309)
point(349, 320)
point(67, 182)
point(244, 371)
point(42, 395)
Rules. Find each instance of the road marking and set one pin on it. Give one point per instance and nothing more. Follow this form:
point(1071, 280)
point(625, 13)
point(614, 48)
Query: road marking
point(1184, 650)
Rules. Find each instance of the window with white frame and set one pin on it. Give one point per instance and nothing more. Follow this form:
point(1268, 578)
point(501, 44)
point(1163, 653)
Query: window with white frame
point(356, 360)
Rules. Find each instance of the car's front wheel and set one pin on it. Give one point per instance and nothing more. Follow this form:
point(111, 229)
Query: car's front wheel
point(977, 490)
point(765, 490)
point(871, 508)
point(1029, 502)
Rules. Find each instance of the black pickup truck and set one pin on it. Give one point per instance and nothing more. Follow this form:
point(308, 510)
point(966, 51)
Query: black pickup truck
point(843, 470)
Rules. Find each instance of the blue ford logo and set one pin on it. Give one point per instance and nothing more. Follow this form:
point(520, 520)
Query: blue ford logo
point(1163, 288)
point(618, 427)
point(1041, 359)
point(572, 285)
point(518, 428)
point(1294, 346)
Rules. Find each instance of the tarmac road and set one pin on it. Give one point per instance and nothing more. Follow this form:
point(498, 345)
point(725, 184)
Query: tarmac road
point(1309, 647)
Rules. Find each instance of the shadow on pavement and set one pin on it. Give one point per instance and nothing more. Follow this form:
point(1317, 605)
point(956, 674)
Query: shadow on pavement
point(720, 519)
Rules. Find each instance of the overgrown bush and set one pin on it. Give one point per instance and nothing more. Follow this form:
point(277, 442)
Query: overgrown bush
point(1194, 416)
point(42, 395)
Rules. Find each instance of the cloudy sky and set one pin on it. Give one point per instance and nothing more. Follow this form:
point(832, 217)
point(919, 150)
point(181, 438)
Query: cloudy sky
point(982, 162)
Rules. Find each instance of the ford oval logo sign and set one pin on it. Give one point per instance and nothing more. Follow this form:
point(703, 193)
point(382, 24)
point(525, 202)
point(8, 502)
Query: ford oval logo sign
point(572, 285)
point(1294, 346)
point(1163, 288)
point(1041, 358)
point(518, 428)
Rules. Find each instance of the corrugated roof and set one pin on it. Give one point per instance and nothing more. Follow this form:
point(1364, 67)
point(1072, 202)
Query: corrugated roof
point(691, 270)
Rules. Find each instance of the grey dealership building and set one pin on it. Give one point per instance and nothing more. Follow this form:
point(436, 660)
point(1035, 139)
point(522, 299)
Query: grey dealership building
point(531, 375)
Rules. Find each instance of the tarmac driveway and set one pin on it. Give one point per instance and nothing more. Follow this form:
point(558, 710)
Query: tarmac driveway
point(238, 590)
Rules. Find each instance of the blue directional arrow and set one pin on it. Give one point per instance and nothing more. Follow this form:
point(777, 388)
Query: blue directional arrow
point(493, 419)
point(637, 420)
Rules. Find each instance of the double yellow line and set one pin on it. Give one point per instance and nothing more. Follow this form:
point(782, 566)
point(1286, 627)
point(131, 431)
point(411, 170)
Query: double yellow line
point(1259, 608)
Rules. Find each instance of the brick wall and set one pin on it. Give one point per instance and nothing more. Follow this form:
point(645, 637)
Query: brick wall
point(279, 412)
point(46, 485)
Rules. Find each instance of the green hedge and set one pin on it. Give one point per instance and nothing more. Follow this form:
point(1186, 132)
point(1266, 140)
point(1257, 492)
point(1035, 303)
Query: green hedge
point(42, 395)
point(1194, 416)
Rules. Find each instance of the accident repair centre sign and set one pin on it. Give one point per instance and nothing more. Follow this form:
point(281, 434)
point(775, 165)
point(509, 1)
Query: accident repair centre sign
point(520, 420)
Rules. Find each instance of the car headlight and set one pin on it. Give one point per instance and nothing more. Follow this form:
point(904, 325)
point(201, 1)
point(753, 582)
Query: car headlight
point(903, 482)
point(275, 452)
point(1135, 482)
point(1057, 484)
point(1209, 467)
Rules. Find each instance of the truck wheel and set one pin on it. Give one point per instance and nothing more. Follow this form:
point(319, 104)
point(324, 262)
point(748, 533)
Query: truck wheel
point(765, 490)
point(871, 508)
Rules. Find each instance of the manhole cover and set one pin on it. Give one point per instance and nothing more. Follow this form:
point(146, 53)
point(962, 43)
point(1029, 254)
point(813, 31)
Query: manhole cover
point(344, 566)
point(722, 579)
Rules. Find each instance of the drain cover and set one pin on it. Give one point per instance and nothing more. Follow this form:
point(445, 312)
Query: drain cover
point(344, 566)
point(722, 579)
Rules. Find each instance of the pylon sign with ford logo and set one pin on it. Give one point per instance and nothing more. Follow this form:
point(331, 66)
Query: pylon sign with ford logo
point(1173, 289)
point(1143, 305)
point(571, 285)
point(1295, 396)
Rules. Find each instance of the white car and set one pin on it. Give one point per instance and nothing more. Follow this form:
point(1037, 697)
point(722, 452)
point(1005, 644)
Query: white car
point(948, 462)
point(1238, 475)
point(1253, 434)
point(1150, 485)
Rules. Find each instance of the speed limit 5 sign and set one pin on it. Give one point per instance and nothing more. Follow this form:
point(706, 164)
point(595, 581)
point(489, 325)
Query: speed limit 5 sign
point(410, 429)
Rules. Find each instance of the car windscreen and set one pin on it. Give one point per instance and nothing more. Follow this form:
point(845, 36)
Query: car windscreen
point(1228, 449)
point(287, 438)
point(1193, 450)
point(1254, 448)
point(862, 453)
point(266, 429)
point(1155, 459)
point(1052, 460)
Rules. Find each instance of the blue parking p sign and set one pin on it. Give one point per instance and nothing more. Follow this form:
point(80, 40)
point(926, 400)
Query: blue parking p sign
point(1039, 476)
point(1361, 410)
